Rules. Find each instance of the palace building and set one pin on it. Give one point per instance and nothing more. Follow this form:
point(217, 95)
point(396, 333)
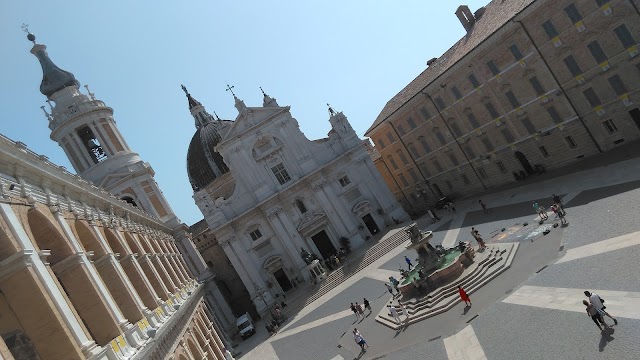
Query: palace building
point(268, 193)
point(533, 85)
point(95, 265)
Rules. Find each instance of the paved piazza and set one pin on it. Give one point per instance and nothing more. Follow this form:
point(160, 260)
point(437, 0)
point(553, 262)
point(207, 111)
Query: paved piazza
point(531, 311)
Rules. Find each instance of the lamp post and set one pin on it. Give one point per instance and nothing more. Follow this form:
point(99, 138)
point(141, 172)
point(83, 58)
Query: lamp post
point(260, 295)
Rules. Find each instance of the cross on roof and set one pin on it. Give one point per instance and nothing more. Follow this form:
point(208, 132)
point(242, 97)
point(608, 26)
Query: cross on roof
point(230, 88)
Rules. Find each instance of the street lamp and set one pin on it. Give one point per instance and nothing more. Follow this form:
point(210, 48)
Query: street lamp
point(260, 294)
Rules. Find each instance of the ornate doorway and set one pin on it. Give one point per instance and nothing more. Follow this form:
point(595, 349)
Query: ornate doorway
point(283, 280)
point(524, 162)
point(323, 243)
point(370, 224)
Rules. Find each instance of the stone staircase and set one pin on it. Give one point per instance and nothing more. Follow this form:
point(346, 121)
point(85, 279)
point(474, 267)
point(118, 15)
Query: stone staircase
point(350, 268)
point(444, 298)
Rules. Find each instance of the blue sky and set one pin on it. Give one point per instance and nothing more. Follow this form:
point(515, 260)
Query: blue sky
point(134, 55)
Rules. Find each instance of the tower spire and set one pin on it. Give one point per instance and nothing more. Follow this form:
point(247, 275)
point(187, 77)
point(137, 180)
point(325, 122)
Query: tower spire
point(192, 102)
point(54, 79)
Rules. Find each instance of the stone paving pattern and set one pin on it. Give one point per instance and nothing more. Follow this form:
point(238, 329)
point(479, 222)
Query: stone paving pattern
point(605, 203)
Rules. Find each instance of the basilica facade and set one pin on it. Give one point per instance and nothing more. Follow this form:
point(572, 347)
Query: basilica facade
point(268, 193)
point(95, 265)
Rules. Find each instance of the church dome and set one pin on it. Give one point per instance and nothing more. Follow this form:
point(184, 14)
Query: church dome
point(204, 164)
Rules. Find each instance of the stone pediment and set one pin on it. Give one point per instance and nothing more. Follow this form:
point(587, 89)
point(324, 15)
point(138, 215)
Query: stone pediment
point(311, 221)
point(251, 117)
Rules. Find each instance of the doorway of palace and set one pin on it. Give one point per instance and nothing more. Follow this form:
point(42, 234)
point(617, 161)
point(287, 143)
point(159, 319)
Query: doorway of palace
point(370, 224)
point(283, 280)
point(323, 243)
point(524, 162)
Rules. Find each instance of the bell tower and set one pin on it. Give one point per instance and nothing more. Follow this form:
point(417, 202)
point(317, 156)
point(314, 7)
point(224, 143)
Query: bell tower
point(85, 129)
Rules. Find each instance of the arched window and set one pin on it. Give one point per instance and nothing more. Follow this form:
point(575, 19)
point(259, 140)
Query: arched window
point(300, 205)
point(425, 144)
point(402, 157)
point(413, 150)
point(440, 137)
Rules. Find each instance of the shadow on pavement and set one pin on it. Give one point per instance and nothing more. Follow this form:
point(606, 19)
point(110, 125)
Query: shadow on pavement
point(589, 196)
point(606, 338)
point(511, 211)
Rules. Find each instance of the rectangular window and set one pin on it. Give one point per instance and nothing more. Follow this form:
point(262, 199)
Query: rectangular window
point(436, 163)
point(501, 166)
point(508, 137)
point(440, 103)
point(456, 92)
point(474, 82)
point(425, 170)
point(550, 29)
point(403, 180)
point(425, 113)
point(487, 144)
point(425, 145)
point(449, 184)
point(281, 173)
point(592, 97)
point(597, 52)
point(453, 159)
point(528, 125)
point(413, 175)
point(492, 110)
point(473, 120)
point(610, 126)
point(413, 151)
point(515, 52)
point(344, 181)
point(553, 113)
point(456, 129)
point(493, 67)
point(469, 151)
point(380, 143)
point(255, 234)
point(572, 65)
point(573, 13)
point(400, 130)
point(572, 144)
point(412, 124)
point(465, 179)
point(543, 151)
point(624, 35)
point(403, 158)
point(390, 137)
point(482, 173)
point(512, 99)
point(537, 86)
point(617, 85)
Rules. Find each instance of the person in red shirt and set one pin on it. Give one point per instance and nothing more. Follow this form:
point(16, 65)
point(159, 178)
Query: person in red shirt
point(463, 296)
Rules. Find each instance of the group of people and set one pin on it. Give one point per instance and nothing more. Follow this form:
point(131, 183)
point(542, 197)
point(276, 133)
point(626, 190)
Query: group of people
point(596, 309)
point(557, 207)
point(358, 309)
point(393, 281)
point(476, 235)
point(395, 312)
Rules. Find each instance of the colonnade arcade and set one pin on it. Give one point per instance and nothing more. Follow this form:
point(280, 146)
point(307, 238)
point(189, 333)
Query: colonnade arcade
point(81, 283)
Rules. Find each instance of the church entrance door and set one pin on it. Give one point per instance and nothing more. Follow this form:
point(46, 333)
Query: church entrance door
point(371, 224)
point(283, 280)
point(323, 243)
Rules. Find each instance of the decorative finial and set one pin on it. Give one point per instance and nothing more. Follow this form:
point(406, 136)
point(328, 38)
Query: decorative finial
point(263, 93)
point(46, 113)
point(230, 88)
point(30, 36)
point(184, 88)
point(91, 95)
point(331, 111)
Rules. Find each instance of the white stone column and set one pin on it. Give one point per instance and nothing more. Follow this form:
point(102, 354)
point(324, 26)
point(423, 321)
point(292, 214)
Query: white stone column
point(279, 220)
point(133, 333)
point(88, 346)
point(336, 215)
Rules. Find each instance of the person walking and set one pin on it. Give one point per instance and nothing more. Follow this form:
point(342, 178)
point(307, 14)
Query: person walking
point(394, 313)
point(360, 310)
point(558, 202)
point(539, 211)
point(395, 283)
point(476, 235)
point(404, 311)
point(561, 215)
point(464, 296)
point(595, 314)
point(453, 208)
point(598, 302)
point(357, 337)
point(355, 311)
point(408, 262)
point(389, 288)
point(484, 207)
point(367, 306)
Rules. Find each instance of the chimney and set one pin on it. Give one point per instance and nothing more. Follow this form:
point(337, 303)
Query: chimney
point(466, 17)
